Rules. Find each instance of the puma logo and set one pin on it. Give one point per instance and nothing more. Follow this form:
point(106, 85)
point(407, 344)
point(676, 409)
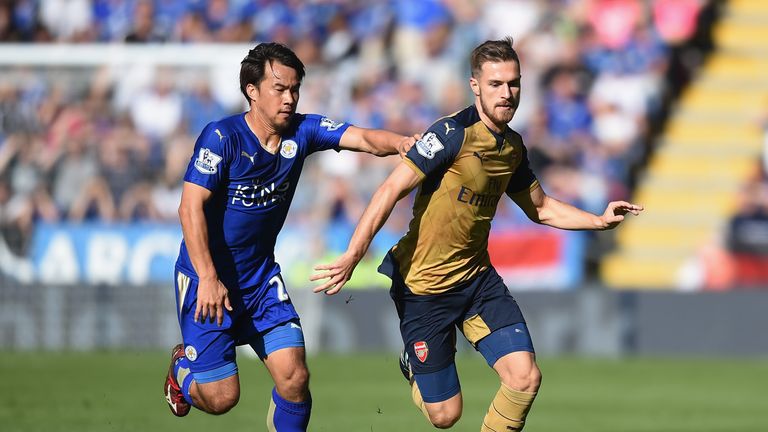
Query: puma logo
point(170, 401)
point(448, 128)
point(218, 132)
point(251, 158)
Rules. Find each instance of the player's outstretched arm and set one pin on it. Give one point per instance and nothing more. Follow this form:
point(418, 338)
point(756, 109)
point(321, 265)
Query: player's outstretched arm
point(402, 180)
point(211, 293)
point(543, 209)
point(375, 141)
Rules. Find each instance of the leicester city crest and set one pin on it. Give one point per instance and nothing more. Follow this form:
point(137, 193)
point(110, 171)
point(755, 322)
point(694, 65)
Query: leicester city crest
point(191, 353)
point(288, 149)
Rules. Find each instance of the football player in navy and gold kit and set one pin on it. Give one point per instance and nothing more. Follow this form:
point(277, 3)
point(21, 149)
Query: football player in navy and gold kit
point(229, 290)
point(441, 271)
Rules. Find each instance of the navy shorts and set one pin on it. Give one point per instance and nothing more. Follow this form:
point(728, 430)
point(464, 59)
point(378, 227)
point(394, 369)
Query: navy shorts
point(262, 316)
point(477, 307)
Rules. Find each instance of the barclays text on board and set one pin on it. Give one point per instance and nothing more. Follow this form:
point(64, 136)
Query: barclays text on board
point(131, 254)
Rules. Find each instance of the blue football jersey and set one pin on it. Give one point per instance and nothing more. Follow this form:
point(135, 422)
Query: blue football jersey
point(252, 191)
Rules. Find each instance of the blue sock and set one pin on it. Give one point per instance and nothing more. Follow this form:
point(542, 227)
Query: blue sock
point(182, 367)
point(290, 416)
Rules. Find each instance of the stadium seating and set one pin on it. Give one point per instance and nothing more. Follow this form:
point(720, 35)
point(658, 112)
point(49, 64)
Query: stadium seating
point(705, 154)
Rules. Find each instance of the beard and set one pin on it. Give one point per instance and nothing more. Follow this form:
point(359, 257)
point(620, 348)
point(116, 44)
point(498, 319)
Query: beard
point(496, 114)
point(281, 122)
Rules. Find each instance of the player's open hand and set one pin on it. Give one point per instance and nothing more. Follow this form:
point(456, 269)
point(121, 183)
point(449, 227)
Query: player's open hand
point(212, 298)
point(615, 212)
point(406, 143)
point(337, 273)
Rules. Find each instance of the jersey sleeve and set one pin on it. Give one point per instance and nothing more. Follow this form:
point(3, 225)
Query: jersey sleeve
point(523, 178)
point(324, 133)
point(210, 161)
point(437, 148)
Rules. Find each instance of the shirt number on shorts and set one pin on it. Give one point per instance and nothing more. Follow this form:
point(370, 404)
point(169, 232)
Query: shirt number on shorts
point(282, 294)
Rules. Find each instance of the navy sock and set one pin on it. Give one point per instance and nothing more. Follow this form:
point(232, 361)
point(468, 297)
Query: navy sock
point(289, 416)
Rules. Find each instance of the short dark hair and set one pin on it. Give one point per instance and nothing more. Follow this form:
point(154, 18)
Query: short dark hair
point(253, 65)
point(492, 51)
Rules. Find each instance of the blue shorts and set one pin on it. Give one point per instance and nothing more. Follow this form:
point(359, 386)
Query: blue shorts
point(478, 308)
point(444, 384)
point(262, 316)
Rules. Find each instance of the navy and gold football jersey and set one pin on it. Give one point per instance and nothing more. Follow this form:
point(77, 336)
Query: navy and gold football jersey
point(466, 169)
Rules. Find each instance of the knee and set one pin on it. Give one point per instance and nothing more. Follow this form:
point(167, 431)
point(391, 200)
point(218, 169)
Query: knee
point(526, 380)
point(294, 385)
point(444, 419)
point(222, 403)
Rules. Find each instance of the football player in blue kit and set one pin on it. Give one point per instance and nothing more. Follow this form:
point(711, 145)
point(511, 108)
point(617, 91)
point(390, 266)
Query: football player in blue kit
point(237, 191)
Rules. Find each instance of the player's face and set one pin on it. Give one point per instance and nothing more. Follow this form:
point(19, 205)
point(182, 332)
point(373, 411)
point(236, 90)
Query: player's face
point(277, 94)
point(497, 88)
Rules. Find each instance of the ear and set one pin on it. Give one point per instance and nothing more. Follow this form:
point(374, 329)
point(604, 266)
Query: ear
point(253, 91)
point(475, 86)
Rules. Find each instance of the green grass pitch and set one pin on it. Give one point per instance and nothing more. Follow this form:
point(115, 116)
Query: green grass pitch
point(101, 392)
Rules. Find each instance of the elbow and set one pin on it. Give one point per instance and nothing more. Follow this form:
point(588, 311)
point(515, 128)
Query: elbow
point(184, 212)
point(379, 151)
point(543, 212)
point(538, 216)
point(378, 147)
point(389, 193)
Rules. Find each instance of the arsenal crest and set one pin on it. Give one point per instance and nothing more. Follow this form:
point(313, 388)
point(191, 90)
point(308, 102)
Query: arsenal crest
point(422, 351)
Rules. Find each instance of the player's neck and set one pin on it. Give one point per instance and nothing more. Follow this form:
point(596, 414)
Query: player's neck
point(268, 136)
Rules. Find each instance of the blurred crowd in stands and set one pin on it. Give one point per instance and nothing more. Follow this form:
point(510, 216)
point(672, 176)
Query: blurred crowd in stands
point(742, 260)
point(99, 144)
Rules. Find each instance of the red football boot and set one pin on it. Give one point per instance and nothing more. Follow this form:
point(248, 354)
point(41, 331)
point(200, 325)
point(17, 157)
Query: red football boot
point(179, 406)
